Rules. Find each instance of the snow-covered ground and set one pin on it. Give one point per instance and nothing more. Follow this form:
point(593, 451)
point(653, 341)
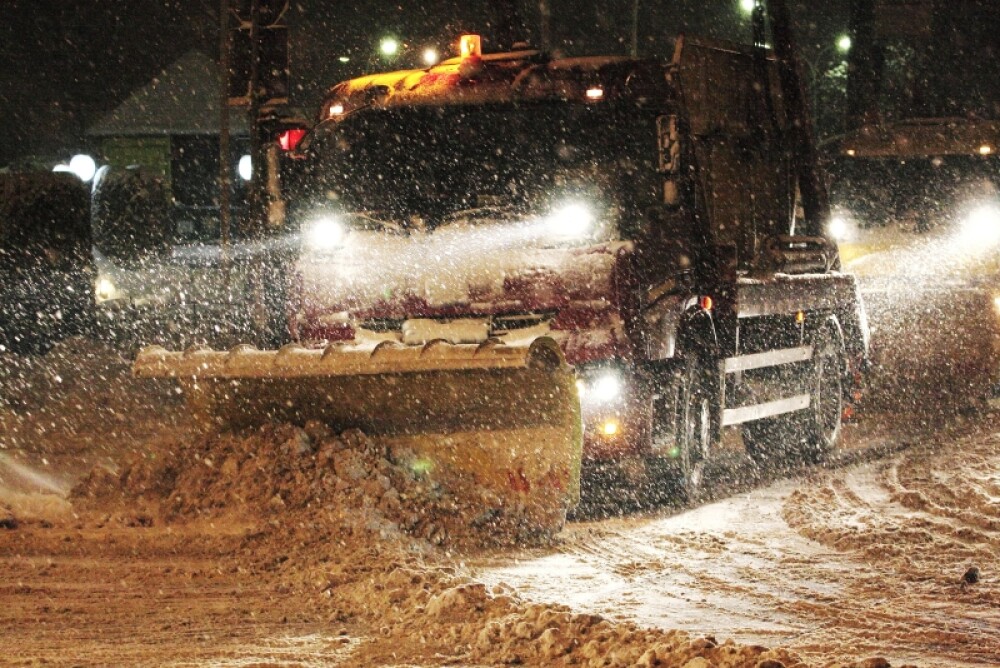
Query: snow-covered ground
point(862, 560)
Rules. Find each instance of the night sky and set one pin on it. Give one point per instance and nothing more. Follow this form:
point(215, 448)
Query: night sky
point(65, 63)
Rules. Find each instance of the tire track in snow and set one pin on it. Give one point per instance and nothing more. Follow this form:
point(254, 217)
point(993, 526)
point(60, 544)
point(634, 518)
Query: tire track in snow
point(860, 561)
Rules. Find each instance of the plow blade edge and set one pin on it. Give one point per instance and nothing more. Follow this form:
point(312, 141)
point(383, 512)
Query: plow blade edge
point(505, 419)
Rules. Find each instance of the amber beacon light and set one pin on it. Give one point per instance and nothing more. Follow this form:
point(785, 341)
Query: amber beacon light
point(470, 46)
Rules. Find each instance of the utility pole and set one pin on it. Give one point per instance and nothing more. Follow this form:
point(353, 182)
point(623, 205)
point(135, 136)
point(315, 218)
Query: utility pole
point(224, 167)
point(634, 51)
point(546, 24)
point(258, 80)
point(257, 182)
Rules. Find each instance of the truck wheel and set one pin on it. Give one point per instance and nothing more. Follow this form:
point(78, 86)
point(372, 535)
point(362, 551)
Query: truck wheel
point(686, 409)
point(824, 416)
point(808, 435)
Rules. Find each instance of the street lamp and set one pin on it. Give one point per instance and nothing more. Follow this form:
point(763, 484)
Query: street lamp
point(843, 45)
point(431, 56)
point(747, 6)
point(82, 166)
point(245, 168)
point(389, 46)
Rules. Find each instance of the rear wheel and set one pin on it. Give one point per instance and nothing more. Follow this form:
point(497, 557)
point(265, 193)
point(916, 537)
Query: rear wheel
point(811, 434)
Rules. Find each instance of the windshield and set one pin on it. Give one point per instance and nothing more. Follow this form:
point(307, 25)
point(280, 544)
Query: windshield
point(431, 162)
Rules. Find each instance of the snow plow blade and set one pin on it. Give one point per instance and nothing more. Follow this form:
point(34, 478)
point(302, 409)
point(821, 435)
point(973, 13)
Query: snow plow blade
point(505, 419)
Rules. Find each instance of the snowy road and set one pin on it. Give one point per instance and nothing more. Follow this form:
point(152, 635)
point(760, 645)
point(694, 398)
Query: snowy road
point(863, 560)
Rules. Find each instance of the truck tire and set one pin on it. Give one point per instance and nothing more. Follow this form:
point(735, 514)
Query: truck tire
point(695, 424)
point(46, 265)
point(810, 435)
point(686, 417)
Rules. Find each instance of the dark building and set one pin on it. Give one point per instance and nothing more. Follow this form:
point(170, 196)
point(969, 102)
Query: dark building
point(170, 127)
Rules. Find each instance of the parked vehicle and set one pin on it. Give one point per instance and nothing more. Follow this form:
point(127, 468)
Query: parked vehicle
point(46, 268)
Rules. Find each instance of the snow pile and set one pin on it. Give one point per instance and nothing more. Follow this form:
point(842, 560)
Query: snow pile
point(346, 525)
point(431, 616)
point(505, 632)
point(945, 518)
point(286, 473)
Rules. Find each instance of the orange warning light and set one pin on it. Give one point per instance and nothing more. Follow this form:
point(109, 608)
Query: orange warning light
point(470, 46)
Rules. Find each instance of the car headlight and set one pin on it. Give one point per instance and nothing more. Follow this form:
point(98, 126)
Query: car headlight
point(841, 227)
point(603, 387)
point(105, 289)
point(324, 234)
point(571, 220)
point(982, 225)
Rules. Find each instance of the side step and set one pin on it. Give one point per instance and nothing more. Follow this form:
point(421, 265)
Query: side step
point(732, 416)
point(770, 358)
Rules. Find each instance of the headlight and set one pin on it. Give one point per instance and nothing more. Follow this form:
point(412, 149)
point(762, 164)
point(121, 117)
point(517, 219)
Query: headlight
point(571, 220)
point(324, 234)
point(604, 387)
point(105, 289)
point(840, 227)
point(982, 225)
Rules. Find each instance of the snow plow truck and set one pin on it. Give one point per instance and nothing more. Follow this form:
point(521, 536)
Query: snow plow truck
point(519, 265)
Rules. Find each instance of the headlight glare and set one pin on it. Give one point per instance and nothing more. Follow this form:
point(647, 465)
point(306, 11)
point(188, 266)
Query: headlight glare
point(610, 428)
point(607, 387)
point(603, 388)
point(104, 289)
point(982, 225)
point(571, 220)
point(839, 227)
point(325, 234)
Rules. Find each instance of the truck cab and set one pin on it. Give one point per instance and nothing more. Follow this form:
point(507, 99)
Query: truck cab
point(641, 214)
